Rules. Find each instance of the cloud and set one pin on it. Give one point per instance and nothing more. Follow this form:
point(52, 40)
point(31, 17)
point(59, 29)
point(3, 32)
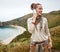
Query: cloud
point(15, 8)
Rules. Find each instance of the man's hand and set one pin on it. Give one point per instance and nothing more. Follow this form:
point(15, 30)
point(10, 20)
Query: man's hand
point(50, 42)
point(50, 45)
point(34, 18)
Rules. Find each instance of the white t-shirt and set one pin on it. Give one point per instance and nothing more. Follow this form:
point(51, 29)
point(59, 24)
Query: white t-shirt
point(37, 35)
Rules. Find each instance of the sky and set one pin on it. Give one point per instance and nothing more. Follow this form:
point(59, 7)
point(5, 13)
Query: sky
point(12, 9)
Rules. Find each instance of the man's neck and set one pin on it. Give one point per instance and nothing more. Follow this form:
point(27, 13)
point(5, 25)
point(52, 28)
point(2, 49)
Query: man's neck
point(39, 16)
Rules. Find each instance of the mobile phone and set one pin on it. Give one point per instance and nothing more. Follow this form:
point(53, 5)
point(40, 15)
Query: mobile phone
point(34, 11)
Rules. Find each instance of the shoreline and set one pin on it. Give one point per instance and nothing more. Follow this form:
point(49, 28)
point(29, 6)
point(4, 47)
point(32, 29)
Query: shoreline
point(20, 30)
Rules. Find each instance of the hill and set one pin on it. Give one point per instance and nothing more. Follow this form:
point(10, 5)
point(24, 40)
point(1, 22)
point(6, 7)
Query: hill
point(53, 19)
point(22, 41)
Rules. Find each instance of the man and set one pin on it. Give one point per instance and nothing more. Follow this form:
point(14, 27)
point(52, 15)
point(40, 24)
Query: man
point(38, 27)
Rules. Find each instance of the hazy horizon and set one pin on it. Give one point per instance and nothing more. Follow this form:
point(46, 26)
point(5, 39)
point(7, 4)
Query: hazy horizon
point(12, 9)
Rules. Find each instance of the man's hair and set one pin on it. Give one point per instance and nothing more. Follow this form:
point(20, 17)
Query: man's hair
point(34, 5)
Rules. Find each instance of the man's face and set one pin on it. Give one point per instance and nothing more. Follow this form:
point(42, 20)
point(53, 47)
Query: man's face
point(39, 9)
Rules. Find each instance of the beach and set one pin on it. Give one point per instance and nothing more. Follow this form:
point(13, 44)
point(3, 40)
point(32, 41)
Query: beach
point(20, 30)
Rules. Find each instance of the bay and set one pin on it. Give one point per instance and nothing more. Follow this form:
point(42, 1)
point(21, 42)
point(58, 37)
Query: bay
point(8, 33)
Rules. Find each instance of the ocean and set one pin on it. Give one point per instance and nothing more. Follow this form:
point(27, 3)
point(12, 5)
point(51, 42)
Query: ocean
point(7, 33)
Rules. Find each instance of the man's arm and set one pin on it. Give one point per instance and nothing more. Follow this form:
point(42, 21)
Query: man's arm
point(30, 25)
point(48, 33)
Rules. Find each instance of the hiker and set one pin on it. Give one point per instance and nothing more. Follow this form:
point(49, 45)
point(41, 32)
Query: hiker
point(38, 27)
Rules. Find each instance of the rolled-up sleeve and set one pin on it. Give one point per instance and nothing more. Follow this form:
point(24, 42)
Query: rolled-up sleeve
point(46, 28)
point(30, 26)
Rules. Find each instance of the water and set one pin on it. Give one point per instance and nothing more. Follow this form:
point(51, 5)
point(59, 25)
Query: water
point(7, 33)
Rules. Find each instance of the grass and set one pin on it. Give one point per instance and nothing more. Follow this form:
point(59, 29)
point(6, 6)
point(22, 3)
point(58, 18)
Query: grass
point(21, 42)
point(55, 32)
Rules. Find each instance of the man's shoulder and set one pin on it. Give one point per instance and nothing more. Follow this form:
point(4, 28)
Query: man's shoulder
point(29, 19)
point(44, 18)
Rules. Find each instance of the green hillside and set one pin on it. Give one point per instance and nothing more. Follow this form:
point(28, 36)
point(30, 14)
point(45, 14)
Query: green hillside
point(21, 21)
point(53, 19)
point(21, 42)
